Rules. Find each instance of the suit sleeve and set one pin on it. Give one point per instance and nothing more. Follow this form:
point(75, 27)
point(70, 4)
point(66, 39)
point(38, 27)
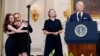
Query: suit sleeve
point(30, 29)
point(70, 18)
point(89, 18)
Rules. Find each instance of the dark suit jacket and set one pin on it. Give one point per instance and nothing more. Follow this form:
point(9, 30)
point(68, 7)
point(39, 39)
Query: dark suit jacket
point(85, 17)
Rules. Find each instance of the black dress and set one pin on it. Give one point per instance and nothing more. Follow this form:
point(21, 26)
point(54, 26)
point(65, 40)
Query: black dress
point(52, 41)
point(10, 44)
point(23, 41)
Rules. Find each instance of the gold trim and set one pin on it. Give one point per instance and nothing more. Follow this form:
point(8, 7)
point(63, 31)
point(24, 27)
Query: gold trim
point(91, 54)
point(72, 7)
point(82, 54)
point(71, 54)
point(95, 16)
point(66, 15)
point(34, 14)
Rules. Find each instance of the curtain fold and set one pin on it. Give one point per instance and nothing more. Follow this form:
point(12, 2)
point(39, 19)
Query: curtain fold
point(2, 7)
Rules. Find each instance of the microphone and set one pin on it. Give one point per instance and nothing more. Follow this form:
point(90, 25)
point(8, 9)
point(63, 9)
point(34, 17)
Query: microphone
point(30, 3)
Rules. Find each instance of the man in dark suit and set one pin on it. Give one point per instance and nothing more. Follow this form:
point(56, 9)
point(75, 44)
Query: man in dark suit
point(79, 15)
point(24, 42)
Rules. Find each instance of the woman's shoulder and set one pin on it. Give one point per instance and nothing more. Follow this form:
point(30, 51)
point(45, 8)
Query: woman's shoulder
point(11, 25)
point(58, 20)
point(47, 20)
point(8, 26)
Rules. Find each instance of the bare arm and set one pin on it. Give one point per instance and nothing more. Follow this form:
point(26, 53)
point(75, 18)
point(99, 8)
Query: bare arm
point(10, 33)
point(58, 32)
point(15, 30)
point(54, 33)
point(46, 32)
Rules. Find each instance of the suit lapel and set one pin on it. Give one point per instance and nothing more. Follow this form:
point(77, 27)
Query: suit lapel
point(83, 16)
point(76, 17)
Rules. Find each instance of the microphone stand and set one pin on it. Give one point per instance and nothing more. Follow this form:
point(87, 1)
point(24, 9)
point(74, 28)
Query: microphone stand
point(28, 7)
point(28, 17)
point(28, 12)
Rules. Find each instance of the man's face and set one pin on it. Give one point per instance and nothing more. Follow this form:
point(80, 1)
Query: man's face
point(17, 16)
point(80, 6)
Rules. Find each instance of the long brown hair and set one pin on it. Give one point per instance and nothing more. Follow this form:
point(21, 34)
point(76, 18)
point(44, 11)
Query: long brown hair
point(6, 22)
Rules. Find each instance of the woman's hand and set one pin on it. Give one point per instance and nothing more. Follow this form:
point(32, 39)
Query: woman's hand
point(10, 32)
point(55, 33)
point(25, 24)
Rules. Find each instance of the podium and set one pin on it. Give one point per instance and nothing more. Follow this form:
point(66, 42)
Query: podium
point(81, 38)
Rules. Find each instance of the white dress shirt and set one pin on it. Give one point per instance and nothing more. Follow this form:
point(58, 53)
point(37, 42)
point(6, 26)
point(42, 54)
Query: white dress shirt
point(81, 15)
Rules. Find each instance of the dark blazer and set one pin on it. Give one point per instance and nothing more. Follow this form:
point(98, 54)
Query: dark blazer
point(85, 17)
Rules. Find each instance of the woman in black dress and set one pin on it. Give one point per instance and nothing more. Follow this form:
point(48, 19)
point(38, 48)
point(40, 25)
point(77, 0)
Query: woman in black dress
point(53, 28)
point(8, 27)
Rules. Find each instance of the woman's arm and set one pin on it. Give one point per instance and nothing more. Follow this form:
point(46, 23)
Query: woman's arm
point(54, 33)
point(47, 32)
point(19, 25)
point(58, 32)
point(16, 30)
point(10, 33)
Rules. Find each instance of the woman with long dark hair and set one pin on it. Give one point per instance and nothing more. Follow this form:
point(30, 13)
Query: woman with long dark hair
point(52, 29)
point(7, 28)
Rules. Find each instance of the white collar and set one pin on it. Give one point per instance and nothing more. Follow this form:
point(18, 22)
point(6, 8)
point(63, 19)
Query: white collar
point(80, 12)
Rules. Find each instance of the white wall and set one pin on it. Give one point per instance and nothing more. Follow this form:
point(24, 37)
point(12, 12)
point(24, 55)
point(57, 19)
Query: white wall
point(12, 6)
point(37, 36)
point(49, 5)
